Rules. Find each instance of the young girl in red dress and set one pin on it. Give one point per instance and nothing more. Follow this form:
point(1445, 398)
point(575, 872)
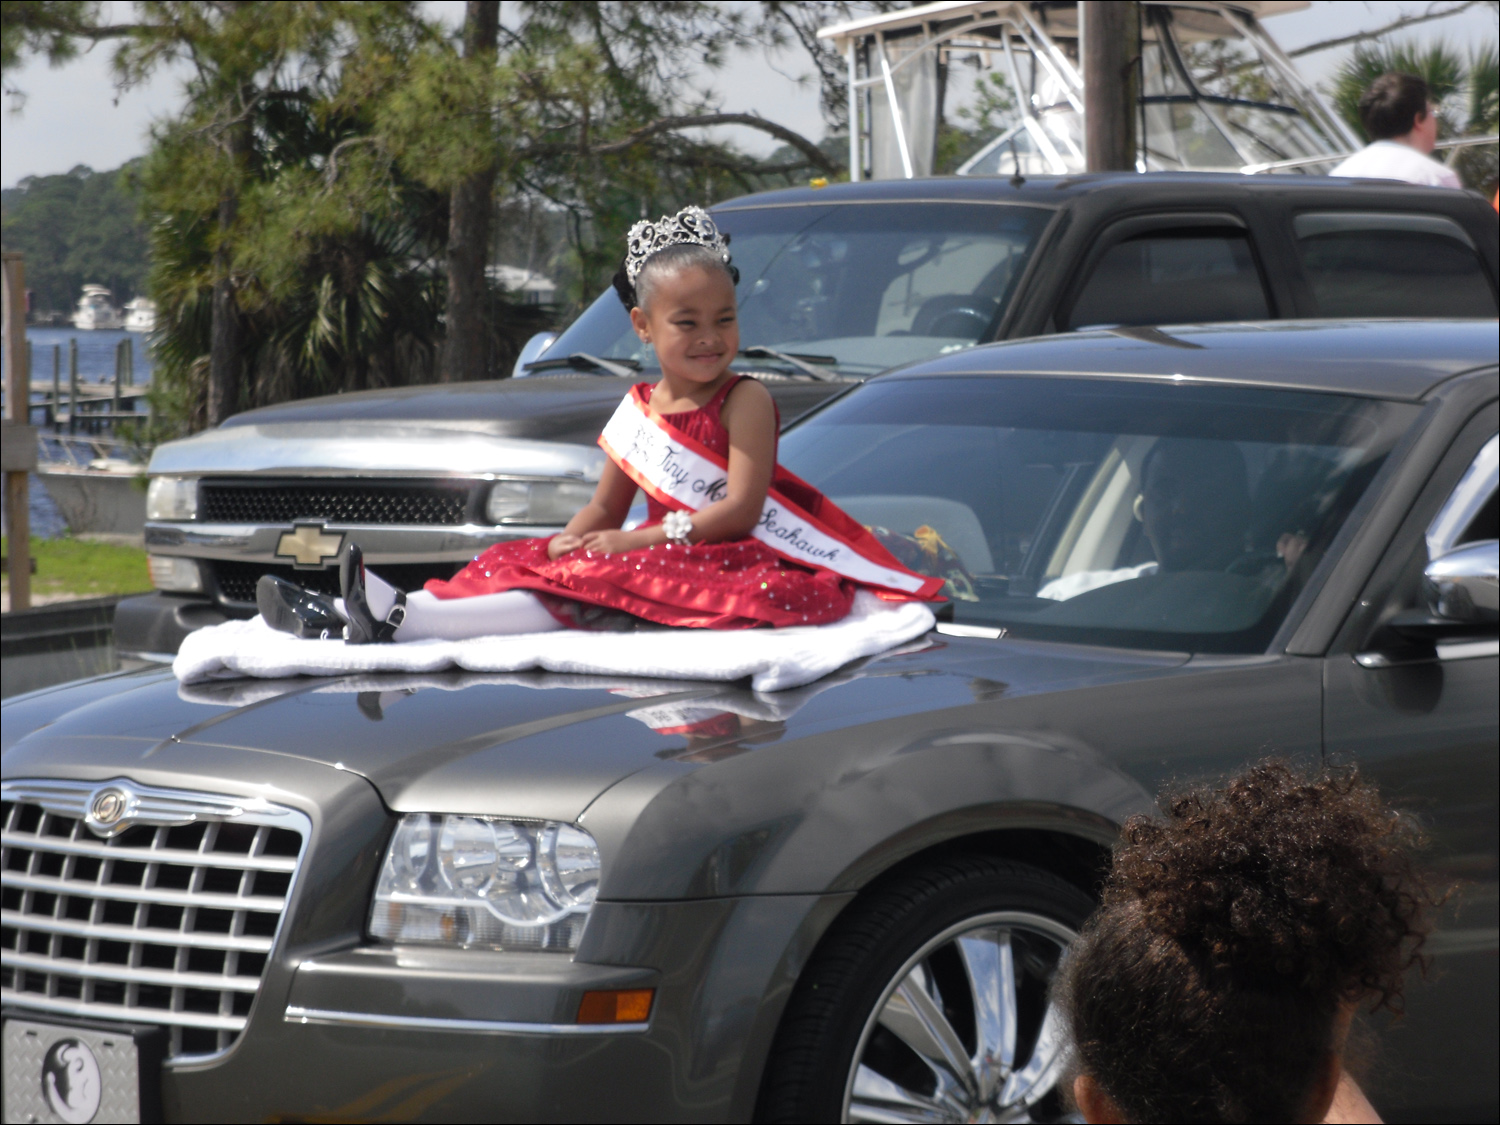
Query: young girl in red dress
point(714, 553)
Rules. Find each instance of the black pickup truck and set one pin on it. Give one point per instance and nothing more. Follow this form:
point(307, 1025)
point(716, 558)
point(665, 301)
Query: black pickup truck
point(836, 285)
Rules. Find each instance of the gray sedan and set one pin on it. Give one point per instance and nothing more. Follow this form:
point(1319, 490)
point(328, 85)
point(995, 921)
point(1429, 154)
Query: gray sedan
point(533, 896)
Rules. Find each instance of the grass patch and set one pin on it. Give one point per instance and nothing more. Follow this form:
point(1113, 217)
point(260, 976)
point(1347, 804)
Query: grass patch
point(83, 569)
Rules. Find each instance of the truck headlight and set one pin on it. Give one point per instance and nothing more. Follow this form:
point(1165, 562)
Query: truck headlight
point(543, 502)
point(172, 498)
point(485, 881)
point(178, 576)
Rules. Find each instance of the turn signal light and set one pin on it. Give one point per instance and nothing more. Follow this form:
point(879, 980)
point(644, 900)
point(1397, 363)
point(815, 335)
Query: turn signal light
point(179, 576)
point(617, 1005)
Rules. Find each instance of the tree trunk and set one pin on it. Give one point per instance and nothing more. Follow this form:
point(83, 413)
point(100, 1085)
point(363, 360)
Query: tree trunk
point(1111, 45)
point(224, 360)
point(466, 346)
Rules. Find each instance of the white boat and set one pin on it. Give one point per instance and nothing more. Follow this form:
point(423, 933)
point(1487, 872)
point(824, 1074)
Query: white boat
point(140, 315)
point(96, 310)
point(1218, 94)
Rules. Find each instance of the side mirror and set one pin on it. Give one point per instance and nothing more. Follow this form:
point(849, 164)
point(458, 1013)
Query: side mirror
point(531, 352)
point(1464, 585)
point(1462, 592)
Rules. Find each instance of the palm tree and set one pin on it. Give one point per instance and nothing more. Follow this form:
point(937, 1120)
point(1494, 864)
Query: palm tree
point(331, 297)
point(1466, 88)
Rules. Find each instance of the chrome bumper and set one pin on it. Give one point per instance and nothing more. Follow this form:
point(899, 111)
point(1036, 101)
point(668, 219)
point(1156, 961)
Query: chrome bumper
point(381, 543)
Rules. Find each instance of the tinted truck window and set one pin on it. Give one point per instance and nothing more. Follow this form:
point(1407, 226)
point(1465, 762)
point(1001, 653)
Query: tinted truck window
point(1374, 264)
point(862, 287)
point(1194, 275)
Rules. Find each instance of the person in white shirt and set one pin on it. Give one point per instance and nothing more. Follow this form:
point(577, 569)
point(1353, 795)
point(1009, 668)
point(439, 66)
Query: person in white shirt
point(1397, 111)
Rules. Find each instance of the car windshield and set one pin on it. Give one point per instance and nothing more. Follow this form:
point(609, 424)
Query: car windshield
point(857, 287)
point(1126, 513)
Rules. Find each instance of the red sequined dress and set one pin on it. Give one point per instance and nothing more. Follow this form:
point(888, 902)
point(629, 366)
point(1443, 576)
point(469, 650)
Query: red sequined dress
point(731, 585)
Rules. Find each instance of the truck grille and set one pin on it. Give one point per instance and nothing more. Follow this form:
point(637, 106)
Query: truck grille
point(169, 925)
point(356, 502)
point(236, 580)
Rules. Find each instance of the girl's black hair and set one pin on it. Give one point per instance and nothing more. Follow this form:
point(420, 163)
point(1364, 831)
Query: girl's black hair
point(1233, 930)
point(623, 289)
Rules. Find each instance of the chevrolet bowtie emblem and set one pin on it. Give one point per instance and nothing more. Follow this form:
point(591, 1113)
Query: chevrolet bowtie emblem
point(308, 545)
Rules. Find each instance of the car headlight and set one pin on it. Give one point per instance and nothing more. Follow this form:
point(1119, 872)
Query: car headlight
point(179, 576)
point(543, 502)
point(172, 498)
point(485, 881)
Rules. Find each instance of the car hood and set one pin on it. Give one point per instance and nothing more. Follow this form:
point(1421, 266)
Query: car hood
point(543, 426)
point(545, 407)
point(526, 745)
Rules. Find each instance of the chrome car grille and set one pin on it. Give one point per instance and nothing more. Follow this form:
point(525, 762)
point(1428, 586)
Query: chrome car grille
point(336, 501)
point(165, 923)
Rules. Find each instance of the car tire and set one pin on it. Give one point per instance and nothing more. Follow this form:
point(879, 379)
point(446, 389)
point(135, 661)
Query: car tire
point(928, 1001)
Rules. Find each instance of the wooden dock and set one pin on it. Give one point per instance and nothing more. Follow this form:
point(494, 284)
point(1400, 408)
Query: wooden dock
point(87, 391)
point(69, 402)
point(87, 406)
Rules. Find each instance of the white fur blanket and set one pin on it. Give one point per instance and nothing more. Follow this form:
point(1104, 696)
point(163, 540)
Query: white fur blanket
point(776, 659)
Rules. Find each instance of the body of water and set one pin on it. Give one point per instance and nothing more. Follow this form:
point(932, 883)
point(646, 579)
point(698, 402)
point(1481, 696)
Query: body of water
point(96, 364)
point(46, 521)
point(96, 354)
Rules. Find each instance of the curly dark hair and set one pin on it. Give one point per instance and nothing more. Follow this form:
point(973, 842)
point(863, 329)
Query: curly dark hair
point(1233, 929)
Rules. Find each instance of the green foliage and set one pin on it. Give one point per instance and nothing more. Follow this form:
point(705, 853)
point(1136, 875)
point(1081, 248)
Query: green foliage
point(1479, 167)
point(577, 80)
point(75, 229)
point(778, 23)
point(335, 261)
point(311, 166)
point(1229, 69)
point(578, 116)
point(43, 27)
point(991, 111)
point(1465, 87)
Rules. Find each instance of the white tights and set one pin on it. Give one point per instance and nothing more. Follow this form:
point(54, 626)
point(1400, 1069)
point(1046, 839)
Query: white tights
point(456, 619)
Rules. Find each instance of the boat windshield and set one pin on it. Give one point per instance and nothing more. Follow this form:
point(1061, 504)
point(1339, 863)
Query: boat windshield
point(856, 288)
point(1114, 512)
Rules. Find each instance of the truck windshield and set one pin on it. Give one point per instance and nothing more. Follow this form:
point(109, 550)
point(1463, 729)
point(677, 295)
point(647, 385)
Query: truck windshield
point(858, 287)
point(1111, 512)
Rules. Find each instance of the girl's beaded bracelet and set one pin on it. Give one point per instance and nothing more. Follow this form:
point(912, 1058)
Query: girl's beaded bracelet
point(677, 526)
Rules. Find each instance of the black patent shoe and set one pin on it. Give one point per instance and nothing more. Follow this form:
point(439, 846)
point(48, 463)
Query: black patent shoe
point(364, 627)
point(289, 608)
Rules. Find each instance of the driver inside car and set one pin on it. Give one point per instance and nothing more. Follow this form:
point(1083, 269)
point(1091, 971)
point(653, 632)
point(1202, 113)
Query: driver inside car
point(1196, 512)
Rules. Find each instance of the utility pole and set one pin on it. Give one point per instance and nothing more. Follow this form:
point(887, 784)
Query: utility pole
point(1111, 35)
point(18, 446)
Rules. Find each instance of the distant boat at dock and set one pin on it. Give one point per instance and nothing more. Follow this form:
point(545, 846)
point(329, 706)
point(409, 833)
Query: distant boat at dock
point(96, 310)
point(140, 315)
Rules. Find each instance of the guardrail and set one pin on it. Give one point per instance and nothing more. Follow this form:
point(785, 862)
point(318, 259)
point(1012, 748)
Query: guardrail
point(56, 643)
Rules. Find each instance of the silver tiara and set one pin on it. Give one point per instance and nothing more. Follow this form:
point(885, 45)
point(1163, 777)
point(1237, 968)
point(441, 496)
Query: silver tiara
point(692, 226)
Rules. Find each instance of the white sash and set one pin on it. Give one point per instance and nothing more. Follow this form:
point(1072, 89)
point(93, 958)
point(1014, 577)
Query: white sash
point(681, 473)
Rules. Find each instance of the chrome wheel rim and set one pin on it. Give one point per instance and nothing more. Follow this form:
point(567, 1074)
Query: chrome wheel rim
point(964, 1031)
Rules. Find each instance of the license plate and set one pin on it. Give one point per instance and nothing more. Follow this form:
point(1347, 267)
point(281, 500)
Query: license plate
point(55, 1073)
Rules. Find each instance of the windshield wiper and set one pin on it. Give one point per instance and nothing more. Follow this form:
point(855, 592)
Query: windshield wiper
point(807, 364)
point(624, 368)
